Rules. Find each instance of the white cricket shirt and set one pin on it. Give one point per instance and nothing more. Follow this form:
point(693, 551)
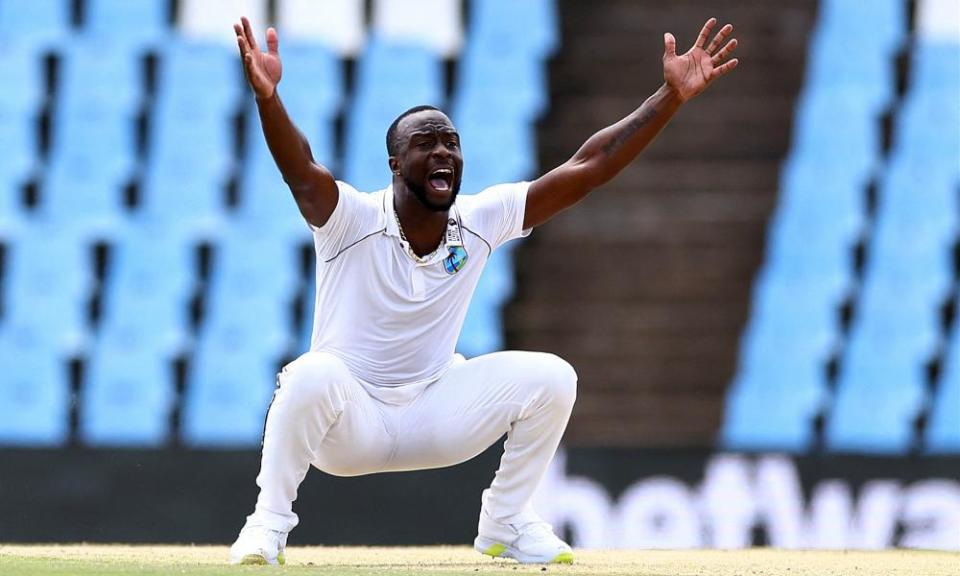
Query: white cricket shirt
point(394, 320)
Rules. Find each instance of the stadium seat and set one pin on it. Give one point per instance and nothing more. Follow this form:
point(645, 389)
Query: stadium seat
point(936, 66)
point(128, 395)
point(924, 131)
point(135, 24)
point(47, 283)
point(772, 405)
point(213, 20)
point(186, 191)
point(42, 24)
point(880, 24)
point(313, 82)
point(943, 426)
point(18, 140)
point(146, 294)
point(337, 24)
point(877, 403)
point(496, 85)
point(97, 73)
point(191, 144)
point(253, 279)
point(21, 65)
point(484, 163)
point(266, 201)
point(91, 160)
point(437, 24)
point(533, 23)
point(205, 75)
point(232, 377)
point(832, 127)
point(34, 389)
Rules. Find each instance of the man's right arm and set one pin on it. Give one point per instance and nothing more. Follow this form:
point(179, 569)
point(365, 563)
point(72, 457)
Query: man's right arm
point(313, 187)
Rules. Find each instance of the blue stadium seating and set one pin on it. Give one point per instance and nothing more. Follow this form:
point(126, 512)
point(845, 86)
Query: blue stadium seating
point(877, 404)
point(233, 374)
point(129, 393)
point(98, 74)
point(44, 24)
point(532, 24)
point(47, 284)
point(253, 282)
point(484, 163)
point(943, 427)
point(147, 291)
point(836, 151)
point(92, 159)
point(34, 389)
point(497, 85)
point(18, 140)
point(21, 65)
point(136, 24)
point(192, 152)
point(313, 81)
point(832, 126)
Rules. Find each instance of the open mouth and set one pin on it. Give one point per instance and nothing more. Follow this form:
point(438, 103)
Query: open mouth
point(441, 179)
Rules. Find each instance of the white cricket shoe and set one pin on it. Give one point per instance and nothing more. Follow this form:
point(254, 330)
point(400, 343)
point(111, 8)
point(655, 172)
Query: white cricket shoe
point(258, 545)
point(529, 543)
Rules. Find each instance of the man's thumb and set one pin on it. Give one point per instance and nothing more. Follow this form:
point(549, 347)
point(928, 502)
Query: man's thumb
point(669, 45)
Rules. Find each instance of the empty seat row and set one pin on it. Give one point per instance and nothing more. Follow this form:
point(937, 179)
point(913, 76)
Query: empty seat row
point(794, 331)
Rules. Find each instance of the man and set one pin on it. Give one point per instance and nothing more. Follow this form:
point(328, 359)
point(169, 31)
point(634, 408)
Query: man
point(381, 388)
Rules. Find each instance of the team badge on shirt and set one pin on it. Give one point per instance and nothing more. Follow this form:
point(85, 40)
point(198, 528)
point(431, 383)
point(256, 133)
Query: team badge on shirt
point(456, 259)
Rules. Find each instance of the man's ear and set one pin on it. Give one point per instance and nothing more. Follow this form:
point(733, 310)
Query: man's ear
point(394, 165)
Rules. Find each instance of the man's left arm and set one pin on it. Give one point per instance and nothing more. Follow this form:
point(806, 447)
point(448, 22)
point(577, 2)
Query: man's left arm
point(610, 150)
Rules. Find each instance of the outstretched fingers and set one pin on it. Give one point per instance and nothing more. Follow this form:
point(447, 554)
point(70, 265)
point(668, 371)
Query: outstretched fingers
point(241, 40)
point(719, 38)
point(723, 69)
point(705, 33)
point(248, 33)
point(723, 54)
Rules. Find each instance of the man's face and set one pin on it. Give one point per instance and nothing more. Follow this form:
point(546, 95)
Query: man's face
point(429, 158)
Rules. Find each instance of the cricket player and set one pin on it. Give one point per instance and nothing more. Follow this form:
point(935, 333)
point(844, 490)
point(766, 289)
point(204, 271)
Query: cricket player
point(381, 389)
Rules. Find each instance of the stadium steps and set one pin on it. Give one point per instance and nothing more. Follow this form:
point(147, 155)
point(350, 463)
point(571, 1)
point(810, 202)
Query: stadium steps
point(645, 286)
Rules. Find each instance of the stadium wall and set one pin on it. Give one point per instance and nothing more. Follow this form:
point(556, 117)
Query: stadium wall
point(602, 497)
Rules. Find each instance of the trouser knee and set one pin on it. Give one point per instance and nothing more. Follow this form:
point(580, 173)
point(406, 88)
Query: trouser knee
point(313, 377)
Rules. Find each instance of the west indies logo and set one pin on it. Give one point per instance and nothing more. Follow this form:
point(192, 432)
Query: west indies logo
point(455, 260)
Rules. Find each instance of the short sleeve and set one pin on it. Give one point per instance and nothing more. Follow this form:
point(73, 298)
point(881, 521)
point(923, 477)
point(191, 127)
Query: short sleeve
point(497, 213)
point(356, 215)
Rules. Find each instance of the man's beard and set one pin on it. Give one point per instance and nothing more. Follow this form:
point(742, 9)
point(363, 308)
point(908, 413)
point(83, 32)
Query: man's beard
point(420, 192)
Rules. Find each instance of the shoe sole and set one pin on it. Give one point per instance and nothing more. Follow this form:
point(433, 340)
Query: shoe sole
point(503, 551)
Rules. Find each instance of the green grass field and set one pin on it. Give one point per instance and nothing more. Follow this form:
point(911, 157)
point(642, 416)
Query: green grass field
point(84, 560)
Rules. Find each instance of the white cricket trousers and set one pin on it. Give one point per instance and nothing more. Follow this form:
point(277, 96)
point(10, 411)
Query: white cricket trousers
point(322, 416)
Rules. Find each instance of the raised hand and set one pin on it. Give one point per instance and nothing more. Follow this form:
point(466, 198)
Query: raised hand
point(690, 74)
point(262, 69)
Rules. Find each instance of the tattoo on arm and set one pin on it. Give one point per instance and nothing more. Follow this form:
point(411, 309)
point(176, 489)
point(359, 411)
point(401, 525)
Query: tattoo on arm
point(631, 128)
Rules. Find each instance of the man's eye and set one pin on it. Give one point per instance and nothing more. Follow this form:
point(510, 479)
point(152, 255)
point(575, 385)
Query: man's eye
point(453, 144)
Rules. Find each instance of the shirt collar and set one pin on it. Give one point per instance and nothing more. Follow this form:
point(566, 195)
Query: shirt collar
point(451, 236)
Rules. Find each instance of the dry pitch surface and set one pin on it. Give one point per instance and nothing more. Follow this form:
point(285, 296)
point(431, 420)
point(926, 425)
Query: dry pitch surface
point(17, 560)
